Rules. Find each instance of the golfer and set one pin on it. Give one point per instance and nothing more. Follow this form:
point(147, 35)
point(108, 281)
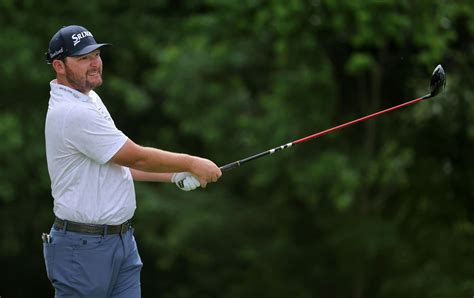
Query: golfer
point(90, 250)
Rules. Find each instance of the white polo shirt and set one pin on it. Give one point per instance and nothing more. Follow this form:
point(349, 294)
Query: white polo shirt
point(81, 138)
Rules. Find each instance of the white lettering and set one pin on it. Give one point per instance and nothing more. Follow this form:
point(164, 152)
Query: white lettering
point(54, 54)
point(77, 37)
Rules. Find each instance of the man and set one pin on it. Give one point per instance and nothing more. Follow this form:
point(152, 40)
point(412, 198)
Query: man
point(91, 250)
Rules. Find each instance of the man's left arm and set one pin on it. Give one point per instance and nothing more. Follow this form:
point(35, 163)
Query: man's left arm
point(183, 180)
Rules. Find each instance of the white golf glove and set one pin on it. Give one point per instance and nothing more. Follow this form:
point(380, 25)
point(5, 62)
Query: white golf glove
point(185, 181)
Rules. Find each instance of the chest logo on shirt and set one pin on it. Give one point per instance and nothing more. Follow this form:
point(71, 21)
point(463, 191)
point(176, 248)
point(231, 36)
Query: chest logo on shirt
point(103, 113)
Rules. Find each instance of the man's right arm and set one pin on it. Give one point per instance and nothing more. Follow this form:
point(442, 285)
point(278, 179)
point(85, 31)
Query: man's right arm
point(154, 160)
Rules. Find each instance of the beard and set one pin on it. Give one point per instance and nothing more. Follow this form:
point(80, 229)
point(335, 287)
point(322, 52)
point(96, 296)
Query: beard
point(80, 82)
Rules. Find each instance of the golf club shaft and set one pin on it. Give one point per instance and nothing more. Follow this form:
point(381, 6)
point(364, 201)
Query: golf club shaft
point(238, 163)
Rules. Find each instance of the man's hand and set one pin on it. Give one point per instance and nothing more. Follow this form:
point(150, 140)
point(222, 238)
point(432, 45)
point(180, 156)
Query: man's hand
point(205, 171)
point(185, 181)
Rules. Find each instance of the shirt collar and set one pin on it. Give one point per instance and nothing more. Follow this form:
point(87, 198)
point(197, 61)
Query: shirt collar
point(59, 88)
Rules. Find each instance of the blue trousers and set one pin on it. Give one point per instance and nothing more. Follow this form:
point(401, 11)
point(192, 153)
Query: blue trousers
point(93, 266)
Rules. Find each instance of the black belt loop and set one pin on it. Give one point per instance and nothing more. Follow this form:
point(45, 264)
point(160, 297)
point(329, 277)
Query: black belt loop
point(125, 227)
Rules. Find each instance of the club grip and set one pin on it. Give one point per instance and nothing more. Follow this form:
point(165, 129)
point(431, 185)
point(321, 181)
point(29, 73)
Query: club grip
point(230, 166)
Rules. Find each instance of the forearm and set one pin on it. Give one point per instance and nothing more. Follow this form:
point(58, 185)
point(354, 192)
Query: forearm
point(152, 160)
point(160, 161)
point(138, 175)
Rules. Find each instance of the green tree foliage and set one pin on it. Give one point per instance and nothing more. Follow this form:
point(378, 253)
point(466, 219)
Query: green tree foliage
point(380, 209)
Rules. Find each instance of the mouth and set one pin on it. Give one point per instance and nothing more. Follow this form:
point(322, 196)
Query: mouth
point(94, 73)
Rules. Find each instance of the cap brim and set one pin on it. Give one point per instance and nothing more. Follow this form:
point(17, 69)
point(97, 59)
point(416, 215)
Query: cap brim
point(88, 49)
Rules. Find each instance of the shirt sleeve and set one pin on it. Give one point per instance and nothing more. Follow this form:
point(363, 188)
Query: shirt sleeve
point(93, 133)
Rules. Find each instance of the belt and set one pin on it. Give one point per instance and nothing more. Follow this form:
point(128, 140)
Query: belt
point(91, 228)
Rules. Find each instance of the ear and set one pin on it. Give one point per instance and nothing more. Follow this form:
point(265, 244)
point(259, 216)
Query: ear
point(59, 66)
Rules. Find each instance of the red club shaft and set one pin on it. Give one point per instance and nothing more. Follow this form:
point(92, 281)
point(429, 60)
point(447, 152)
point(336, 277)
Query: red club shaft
point(313, 136)
point(238, 163)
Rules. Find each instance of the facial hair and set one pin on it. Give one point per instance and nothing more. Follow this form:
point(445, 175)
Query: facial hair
point(80, 82)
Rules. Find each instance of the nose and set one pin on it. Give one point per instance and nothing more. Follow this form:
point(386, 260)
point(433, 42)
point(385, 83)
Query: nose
point(96, 61)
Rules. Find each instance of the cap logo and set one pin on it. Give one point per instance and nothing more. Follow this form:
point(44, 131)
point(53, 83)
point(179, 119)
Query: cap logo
point(77, 37)
point(56, 53)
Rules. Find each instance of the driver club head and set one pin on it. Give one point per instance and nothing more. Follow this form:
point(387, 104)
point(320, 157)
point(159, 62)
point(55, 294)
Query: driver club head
point(438, 81)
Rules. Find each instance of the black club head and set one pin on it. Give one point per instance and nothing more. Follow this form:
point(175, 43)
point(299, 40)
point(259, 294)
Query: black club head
point(438, 82)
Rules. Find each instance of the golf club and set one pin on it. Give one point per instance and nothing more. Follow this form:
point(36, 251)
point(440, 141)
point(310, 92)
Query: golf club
point(438, 82)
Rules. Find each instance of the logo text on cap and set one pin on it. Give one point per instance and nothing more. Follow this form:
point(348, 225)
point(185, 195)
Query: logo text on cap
point(54, 54)
point(77, 37)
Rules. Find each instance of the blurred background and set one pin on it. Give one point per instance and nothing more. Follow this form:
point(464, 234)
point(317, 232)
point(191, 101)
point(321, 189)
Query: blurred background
point(381, 209)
